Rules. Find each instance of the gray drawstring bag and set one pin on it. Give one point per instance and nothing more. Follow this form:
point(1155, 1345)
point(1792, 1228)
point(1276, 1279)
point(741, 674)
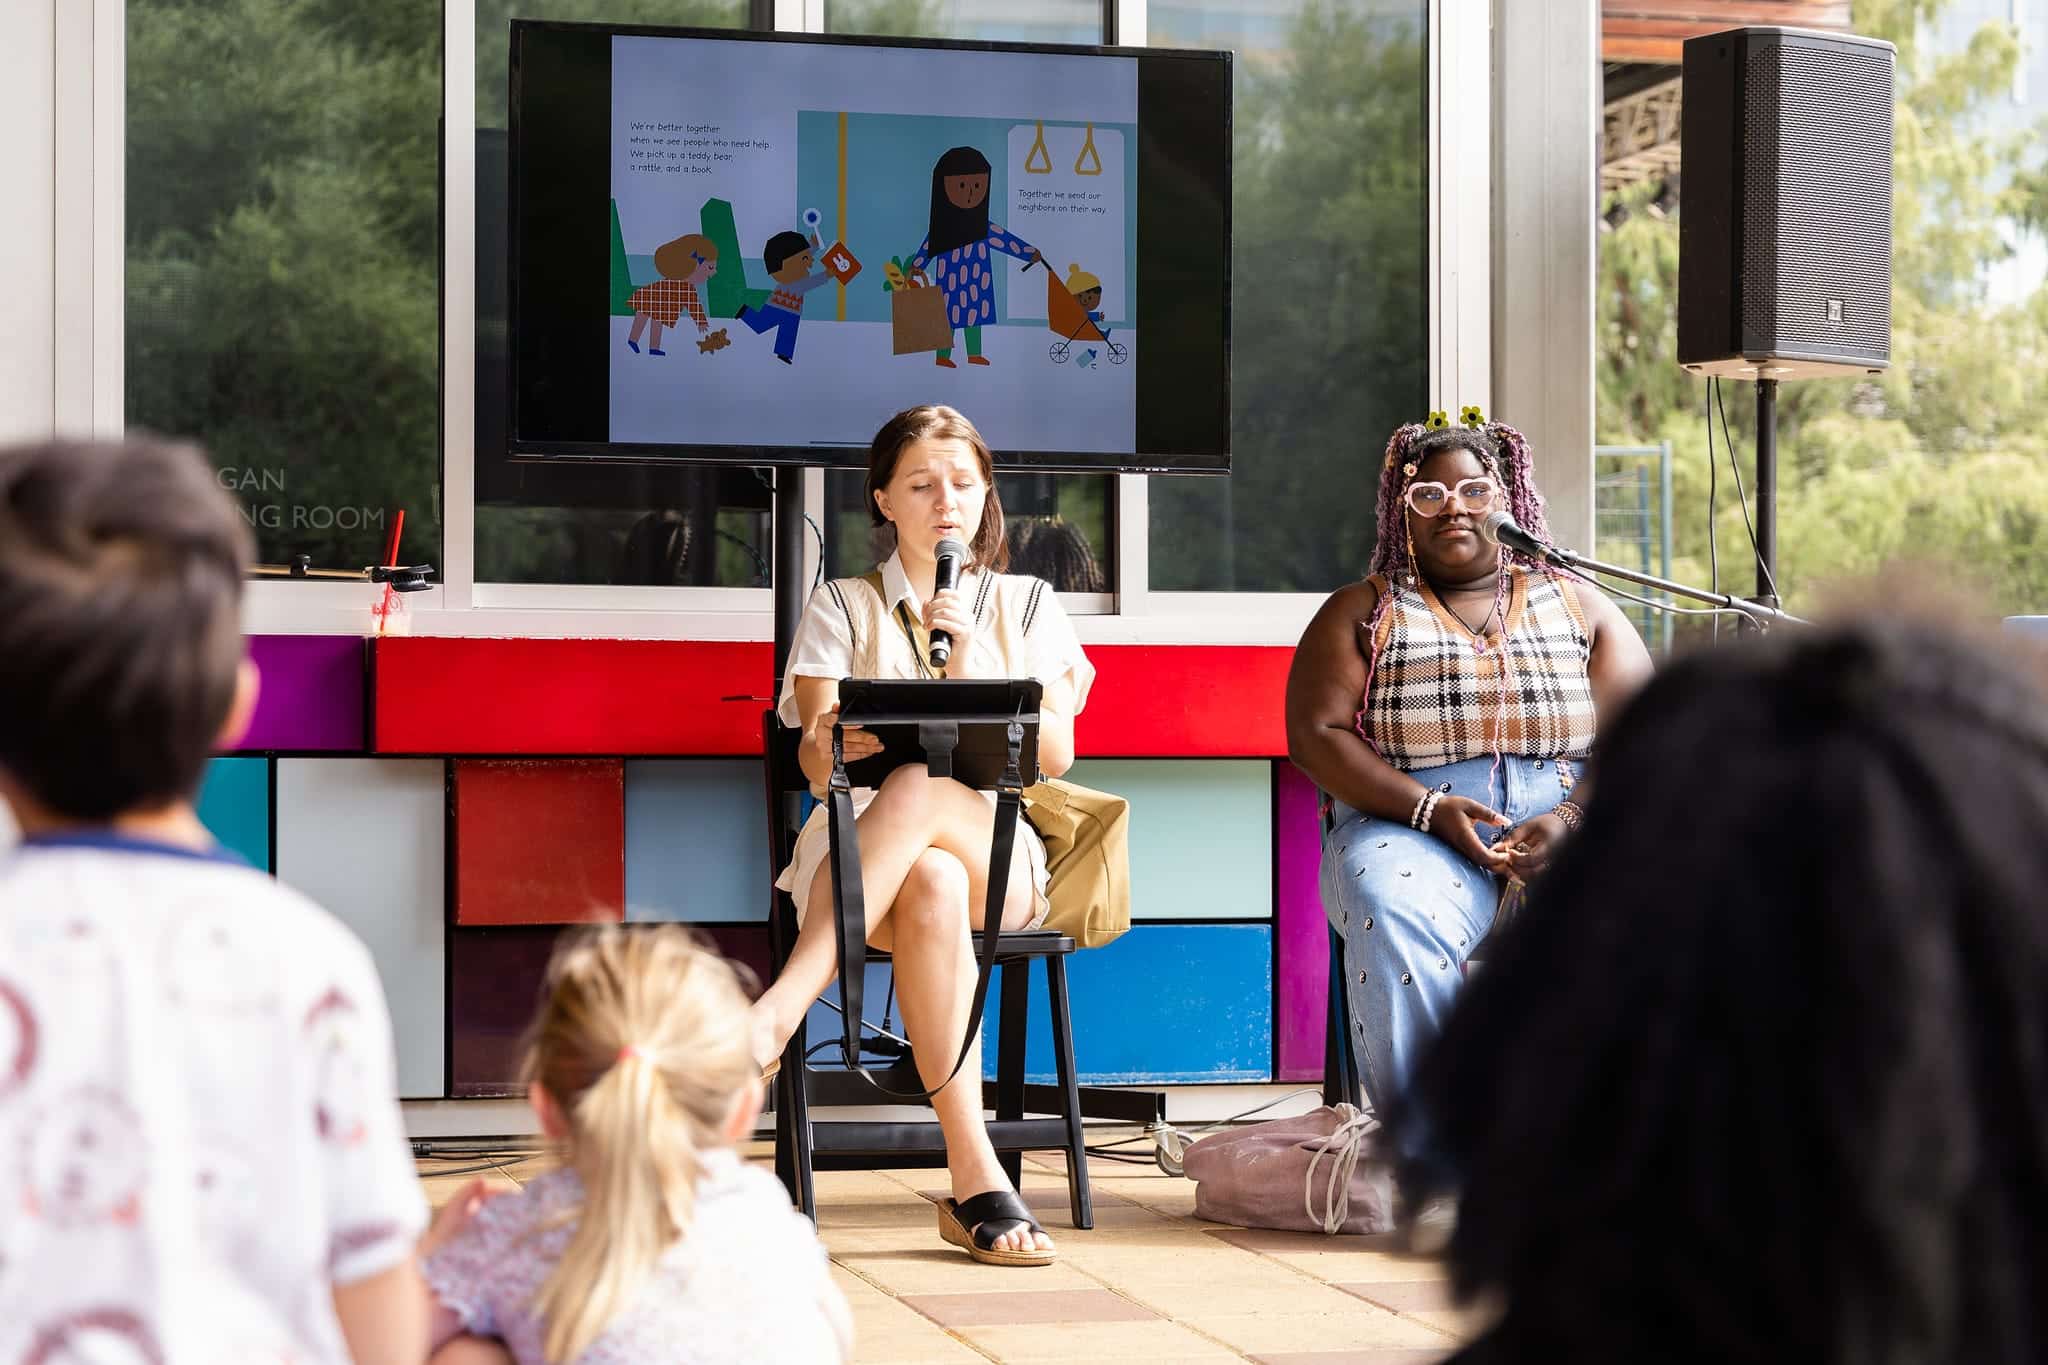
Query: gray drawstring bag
point(1315, 1173)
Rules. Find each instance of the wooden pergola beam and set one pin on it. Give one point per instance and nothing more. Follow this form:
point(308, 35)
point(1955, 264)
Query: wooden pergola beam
point(1656, 30)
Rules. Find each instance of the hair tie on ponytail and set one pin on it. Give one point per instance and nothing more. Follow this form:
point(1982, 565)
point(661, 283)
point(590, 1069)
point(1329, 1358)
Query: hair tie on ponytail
point(632, 1050)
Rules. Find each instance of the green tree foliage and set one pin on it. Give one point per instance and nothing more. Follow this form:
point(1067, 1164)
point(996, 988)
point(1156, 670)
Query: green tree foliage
point(1327, 310)
point(1940, 461)
point(282, 263)
point(494, 28)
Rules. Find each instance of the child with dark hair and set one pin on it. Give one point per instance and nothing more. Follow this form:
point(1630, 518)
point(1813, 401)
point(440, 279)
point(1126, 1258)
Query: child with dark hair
point(957, 241)
point(195, 1063)
point(789, 257)
point(1761, 1075)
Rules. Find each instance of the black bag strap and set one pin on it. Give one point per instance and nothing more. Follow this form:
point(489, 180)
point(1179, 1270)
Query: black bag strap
point(849, 906)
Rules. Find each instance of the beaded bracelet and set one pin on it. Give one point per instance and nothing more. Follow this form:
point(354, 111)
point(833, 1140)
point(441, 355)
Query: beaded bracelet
point(1415, 816)
point(1429, 811)
point(1571, 813)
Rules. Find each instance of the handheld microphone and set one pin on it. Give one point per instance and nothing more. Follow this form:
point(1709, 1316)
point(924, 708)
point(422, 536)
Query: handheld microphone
point(951, 555)
point(1500, 528)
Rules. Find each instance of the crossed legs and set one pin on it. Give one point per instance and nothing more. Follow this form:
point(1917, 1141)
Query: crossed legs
point(924, 851)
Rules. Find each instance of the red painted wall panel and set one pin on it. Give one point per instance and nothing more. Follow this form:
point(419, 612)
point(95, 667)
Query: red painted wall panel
point(1186, 701)
point(540, 841)
point(463, 696)
point(659, 697)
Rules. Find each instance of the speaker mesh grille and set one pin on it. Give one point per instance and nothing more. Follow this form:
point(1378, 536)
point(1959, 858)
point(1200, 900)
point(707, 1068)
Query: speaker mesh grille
point(1817, 202)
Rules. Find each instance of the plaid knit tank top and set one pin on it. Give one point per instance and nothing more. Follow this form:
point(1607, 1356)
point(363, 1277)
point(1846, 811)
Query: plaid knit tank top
point(1439, 694)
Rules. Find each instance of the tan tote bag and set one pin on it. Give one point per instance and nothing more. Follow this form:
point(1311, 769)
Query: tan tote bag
point(1087, 837)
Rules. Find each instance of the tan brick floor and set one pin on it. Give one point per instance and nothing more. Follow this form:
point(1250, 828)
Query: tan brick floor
point(1150, 1281)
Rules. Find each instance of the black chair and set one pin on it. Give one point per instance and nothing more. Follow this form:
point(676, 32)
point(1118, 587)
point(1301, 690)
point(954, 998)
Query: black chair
point(803, 1145)
point(1340, 1053)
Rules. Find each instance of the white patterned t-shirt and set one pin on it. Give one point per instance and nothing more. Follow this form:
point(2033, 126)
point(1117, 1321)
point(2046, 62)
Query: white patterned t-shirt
point(198, 1135)
point(747, 1284)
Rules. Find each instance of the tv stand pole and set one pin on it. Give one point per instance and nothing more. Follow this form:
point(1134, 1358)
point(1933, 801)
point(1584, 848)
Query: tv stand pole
point(787, 580)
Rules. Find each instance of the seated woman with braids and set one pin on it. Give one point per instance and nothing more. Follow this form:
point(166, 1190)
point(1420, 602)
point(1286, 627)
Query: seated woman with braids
point(1445, 705)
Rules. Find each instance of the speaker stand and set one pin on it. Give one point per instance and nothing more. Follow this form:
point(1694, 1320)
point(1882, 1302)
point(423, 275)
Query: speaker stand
point(1766, 492)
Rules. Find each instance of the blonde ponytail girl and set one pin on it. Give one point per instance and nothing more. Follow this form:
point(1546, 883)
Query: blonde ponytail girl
point(643, 1046)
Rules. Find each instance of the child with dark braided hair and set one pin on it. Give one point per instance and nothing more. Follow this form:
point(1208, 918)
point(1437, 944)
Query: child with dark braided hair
point(1445, 705)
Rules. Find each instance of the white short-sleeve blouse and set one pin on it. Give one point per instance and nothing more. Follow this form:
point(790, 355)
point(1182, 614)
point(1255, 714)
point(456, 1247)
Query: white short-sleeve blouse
point(1023, 632)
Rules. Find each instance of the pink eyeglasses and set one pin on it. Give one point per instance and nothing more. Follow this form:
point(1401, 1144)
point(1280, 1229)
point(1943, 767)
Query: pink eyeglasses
point(1470, 495)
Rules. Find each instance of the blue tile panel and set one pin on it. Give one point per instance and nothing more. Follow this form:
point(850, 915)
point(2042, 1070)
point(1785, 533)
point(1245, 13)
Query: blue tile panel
point(1165, 1003)
point(234, 804)
point(696, 841)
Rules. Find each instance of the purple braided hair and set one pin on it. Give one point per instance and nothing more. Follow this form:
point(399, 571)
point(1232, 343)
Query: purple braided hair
point(1501, 448)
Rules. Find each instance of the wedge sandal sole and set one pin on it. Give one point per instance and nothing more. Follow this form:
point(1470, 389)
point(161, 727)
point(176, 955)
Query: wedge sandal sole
point(961, 1235)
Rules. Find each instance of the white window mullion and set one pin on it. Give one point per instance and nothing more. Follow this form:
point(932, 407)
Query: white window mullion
point(799, 16)
point(1130, 23)
point(458, 305)
point(1133, 544)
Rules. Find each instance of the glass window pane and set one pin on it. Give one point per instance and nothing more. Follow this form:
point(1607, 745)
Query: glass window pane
point(539, 523)
point(1057, 525)
point(283, 269)
point(1329, 345)
point(1061, 526)
point(988, 21)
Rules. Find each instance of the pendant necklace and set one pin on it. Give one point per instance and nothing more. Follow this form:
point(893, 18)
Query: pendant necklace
point(1479, 635)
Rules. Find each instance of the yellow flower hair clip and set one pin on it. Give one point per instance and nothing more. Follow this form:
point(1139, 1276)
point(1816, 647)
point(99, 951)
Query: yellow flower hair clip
point(1438, 420)
point(1472, 417)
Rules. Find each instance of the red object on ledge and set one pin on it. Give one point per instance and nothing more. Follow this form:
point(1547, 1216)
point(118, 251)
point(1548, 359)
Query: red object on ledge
point(449, 695)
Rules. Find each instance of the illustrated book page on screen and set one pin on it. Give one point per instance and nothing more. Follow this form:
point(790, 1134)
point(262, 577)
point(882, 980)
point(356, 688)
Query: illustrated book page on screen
point(807, 239)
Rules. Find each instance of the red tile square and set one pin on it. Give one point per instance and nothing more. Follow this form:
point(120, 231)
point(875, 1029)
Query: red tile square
point(1028, 1306)
point(1407, 1296)
point(540, 841)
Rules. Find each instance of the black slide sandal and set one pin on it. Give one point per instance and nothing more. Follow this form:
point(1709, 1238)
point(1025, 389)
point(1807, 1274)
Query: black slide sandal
point(975, 1224)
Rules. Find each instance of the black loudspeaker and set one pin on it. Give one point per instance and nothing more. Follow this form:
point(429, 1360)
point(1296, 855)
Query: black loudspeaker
point(1785, 226)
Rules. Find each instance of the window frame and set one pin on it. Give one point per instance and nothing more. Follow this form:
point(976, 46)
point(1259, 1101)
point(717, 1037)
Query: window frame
point(88, 364)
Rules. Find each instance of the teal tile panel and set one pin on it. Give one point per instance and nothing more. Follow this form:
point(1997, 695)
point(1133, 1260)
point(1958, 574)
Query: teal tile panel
point(234, 805)
point(696, 841)
point(1201, 834)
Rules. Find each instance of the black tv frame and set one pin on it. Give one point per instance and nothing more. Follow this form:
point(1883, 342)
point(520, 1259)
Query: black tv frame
point(558, 453)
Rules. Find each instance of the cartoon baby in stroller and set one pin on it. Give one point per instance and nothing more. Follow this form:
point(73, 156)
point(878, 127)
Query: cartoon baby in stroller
point(1073, 310)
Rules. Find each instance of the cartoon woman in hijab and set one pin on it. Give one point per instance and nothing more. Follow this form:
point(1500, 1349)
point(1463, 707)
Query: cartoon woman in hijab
point(955, 254)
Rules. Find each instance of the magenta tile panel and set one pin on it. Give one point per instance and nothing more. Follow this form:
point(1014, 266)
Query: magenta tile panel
point(311, 697)
point(1301, 939)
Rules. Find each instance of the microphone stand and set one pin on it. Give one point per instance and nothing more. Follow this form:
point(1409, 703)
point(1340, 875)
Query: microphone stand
point(1761, 615)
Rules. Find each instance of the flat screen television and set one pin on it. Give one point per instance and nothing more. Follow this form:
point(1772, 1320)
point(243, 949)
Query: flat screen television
point(752, 249)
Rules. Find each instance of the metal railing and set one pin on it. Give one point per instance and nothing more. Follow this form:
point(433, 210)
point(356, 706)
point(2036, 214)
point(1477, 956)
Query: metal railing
point(1632, 523)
